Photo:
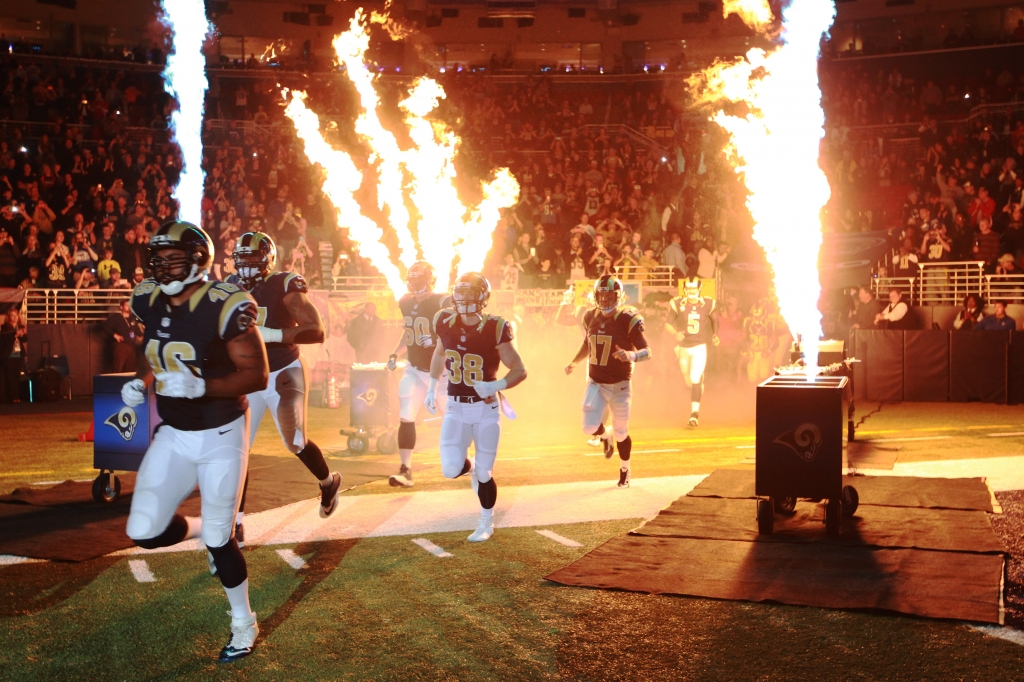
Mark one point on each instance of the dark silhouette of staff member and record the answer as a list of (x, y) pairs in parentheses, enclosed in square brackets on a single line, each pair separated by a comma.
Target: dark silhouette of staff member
[(365, 334), (12, 355), (126, 332)]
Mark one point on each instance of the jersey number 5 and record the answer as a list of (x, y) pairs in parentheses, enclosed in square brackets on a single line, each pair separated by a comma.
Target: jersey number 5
[(600, 349), (175, 355), (464, 369), (693, 323), (414, 329)]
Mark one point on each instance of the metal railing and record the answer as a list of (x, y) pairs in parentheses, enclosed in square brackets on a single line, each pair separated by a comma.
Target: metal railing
[(345, 283), (949, 283), (50, 306)]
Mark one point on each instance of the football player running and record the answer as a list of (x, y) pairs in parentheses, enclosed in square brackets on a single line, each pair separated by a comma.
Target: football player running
[(615, 340), (203, 352), (571, 315), (472, 345), (285, 318), (693, 322), (419, 308)]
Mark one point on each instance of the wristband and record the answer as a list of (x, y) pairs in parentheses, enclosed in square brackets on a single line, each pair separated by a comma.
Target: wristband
[(270, 335), (432, 386), (500, 385), (642, 354)]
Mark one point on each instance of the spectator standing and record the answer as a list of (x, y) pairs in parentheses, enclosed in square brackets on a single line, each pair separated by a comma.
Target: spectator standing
[(868, 309), (58, 263), (969, 315), (13, 335), (999, 321), (674, 257), (709, 258), (9, 255), (986, 244), (365, 333), (105, 266), (510, 272), (118, 282), (125, 331)]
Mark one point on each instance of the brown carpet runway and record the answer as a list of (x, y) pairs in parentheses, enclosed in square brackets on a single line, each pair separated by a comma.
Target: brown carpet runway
[(63, 523), (918, 546)]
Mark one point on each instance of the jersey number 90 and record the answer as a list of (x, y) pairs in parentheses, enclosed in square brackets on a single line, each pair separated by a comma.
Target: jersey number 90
[(465, 369)]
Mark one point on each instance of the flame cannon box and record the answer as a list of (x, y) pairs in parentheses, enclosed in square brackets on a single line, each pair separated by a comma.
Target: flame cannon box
[(800, 433), (121, 434), (373, 404)]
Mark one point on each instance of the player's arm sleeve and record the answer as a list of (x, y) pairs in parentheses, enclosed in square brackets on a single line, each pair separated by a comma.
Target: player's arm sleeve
[(504, 332), (237, 314), (293, 281), (637, 338), (713, 319)]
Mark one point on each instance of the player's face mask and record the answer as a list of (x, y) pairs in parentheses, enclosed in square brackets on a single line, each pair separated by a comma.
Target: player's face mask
[(418, 284), (692, 292), (173, 270), (607, 301), (251, 267), (468, 300)]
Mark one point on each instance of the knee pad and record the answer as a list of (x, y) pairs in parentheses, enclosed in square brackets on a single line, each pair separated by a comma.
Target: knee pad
[(488, 494), (231, 568), (175, 532), (217, 533), (313, 459), (406, 435), (449, 470), (625, 447), (696, 391)]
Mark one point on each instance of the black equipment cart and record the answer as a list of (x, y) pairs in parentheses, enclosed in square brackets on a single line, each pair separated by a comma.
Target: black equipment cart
[(373, 409)]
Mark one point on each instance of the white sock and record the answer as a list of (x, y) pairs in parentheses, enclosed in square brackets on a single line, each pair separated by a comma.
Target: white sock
[(487, 514), (624, 463), (406, 457), (195, 527), (694, 407), (324, 482), (238, 597), (238, 517)]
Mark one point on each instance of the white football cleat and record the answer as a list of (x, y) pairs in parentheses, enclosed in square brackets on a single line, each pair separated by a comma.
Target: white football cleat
[(594, 442), (243, 637), (484, 531), (403, 479), (693, 419), (211, 562)]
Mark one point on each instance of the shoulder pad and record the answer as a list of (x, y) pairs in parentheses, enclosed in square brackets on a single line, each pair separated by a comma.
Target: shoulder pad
[(444, 316), (143, 296), (629, 310), (444, 301)]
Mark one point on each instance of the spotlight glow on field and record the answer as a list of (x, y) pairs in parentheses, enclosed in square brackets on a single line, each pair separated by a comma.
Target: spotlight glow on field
[(185, 80), (774, 147), (416, 185)]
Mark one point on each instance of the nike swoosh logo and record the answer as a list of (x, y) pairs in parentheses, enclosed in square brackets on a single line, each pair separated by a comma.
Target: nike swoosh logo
[(221, 433), (286, 383)]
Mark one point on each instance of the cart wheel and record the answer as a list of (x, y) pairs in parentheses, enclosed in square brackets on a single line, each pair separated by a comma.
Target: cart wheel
[(851, 432), (102, 490), (358, 444), (784, 505), (833, 516), (850, 500), (387, 443), (765, 517)]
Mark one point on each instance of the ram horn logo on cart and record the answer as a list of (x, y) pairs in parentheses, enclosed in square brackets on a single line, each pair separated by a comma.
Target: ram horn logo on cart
[(369, 397), (804, 440), (124, 421)]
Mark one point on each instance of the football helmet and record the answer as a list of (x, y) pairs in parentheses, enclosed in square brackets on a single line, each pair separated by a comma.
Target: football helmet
[(421, 278), (192, 263), (608, 293), (759, 308), (471, 293), (691, 287), (255, 256)]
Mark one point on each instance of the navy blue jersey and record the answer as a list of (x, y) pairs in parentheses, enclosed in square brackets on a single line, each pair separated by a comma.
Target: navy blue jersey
[(273, 313), (471, 351), (624, 329), (193, 336), (418, 317), (693, 320)]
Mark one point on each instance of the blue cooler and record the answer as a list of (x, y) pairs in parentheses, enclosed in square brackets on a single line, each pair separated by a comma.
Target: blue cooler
[(121, 434)]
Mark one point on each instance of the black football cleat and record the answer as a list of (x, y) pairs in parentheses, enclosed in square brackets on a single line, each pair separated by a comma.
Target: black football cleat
[(329, 496), (623, 478), (609, 446), (243, 638)]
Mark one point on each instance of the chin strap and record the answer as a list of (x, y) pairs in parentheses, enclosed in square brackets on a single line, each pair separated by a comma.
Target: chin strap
[(175, 288)]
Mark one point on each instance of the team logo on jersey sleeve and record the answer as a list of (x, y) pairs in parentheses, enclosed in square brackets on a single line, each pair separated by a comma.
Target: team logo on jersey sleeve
[(804, 441), (369, 396), (124, 422)]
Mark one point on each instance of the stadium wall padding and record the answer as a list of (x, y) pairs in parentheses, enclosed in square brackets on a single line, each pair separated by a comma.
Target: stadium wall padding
[(926, 366), (978, 366), (883, 365), (84, 345)]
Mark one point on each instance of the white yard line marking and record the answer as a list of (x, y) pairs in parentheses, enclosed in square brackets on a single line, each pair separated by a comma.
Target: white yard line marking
[(140, 569), (745, 447), (292, 559), (516, 459), (432, 548), (1005, 435), (552, 535), (905, 440), (1000, 632), (11, 560)]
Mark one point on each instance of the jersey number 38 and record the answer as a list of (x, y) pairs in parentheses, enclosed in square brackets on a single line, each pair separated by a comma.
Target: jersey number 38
[(464, 369)]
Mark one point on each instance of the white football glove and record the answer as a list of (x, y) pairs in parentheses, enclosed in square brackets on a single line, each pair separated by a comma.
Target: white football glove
[(425, 340), (430, 402), (487, 389), (270, 335), (133, 393), (180, 385), (393, 362)]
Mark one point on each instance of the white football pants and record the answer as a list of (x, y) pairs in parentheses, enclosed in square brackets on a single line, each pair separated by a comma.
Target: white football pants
[(176, 460), (616, 397), (692, 362), (412, 390), (464, 423), (286, 397)]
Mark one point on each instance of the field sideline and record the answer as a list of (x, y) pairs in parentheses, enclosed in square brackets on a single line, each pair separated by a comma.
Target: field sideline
[(385, 607)]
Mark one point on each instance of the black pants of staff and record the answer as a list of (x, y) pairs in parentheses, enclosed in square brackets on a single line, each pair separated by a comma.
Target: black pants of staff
[(124, 357), (12, 367)]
